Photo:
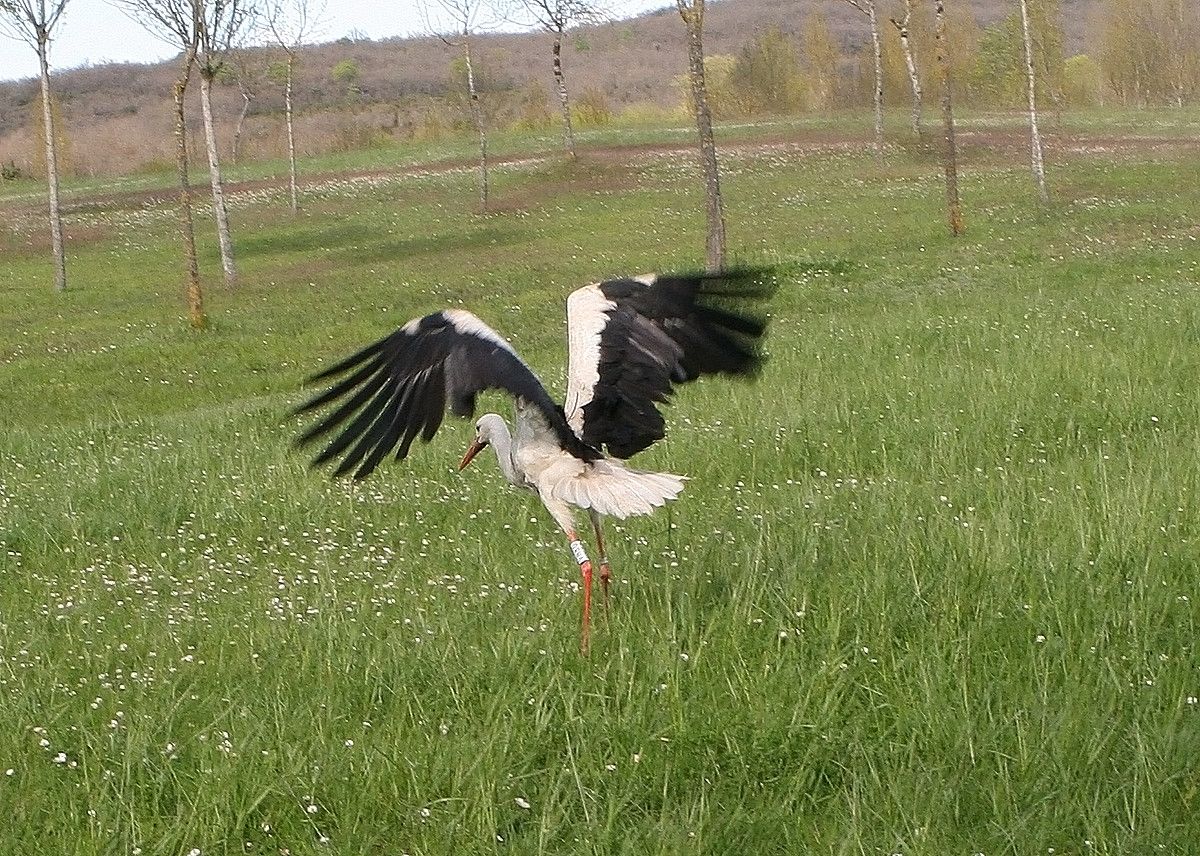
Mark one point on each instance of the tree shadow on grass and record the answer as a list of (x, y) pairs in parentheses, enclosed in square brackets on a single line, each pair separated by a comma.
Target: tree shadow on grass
[(357, 244)]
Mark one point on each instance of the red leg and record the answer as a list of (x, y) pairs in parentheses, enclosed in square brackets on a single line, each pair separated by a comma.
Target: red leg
[(605, 576), (585, 639), (605, 570), (585, 568)]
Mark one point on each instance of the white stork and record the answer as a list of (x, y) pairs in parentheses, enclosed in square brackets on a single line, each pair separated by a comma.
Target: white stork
[(630, 340)]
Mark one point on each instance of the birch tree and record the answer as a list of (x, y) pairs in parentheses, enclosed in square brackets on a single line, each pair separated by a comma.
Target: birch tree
[(465, 17), (1150, 50), (1182, 39), (33, 22), (178, 23), (910, 62), (290, 22), (247, 74), (949, 146), (1049, 53), (220, 24), (1036, 162), (692, 12), (867, 7), (556, 17)]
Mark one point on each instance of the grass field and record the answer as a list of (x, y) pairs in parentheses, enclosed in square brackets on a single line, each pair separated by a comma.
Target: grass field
[(932, 588)]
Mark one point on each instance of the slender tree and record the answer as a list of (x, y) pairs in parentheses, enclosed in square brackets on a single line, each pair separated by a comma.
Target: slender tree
[(692, 12), (867, 7), (33, 22), (221, 22), (556, 17), (290, 22), (247, 74), (1150, 50), (901, 25), (1049, 54), (178, 23), (1182, 38), (1036, 163), (949, 146), (465, 18), (478, 118)]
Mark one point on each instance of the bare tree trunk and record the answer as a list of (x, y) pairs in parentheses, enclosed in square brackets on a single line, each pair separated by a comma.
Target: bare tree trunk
[(56, 233), (911, 63), (867, 7), (1181, 50), (237, 129), (949, 148), (563, 100), (214, 176), (714, 209), (477, 117), (871, 16), (1035, 139), (195, 295), (291, 133)]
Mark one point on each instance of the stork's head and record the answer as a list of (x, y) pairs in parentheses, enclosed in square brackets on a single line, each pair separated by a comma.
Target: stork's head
[(487, 428)]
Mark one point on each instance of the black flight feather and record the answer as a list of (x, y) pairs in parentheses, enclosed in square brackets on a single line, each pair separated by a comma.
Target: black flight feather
[(678, 328), (397, 389)]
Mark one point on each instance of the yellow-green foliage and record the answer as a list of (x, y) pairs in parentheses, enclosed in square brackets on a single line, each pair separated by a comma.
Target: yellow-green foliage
[(591, 110), (766, 78), (347, 74), (999, 75), (277, 70), (648, 113), (821, 55), (533, 109), (722, 102), (1150, 50), (1083, 82)]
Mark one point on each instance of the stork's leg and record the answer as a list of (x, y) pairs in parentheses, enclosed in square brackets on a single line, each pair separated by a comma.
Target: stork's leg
[(585, 569), (561, 512), (605, 570)]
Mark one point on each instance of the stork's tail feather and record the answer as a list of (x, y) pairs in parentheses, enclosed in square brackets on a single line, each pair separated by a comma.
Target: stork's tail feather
[(613, 489)]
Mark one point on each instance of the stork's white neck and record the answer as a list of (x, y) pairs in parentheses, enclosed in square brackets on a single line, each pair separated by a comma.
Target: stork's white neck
[(501, 442)]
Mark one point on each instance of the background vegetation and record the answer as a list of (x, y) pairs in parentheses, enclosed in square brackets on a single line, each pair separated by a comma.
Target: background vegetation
[(766, 57)]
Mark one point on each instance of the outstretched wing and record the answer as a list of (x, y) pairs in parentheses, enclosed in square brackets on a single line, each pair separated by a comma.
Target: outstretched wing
[(631, 340), (398, 388)]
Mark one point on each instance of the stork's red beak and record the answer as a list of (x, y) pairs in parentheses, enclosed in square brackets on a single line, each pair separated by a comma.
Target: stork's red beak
[(476, 447)]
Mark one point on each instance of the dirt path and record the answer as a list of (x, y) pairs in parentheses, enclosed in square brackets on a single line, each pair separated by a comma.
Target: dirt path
[(814, 140)]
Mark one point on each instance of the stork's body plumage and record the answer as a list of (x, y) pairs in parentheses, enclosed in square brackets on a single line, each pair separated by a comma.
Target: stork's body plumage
[(629, 341), (532, 459)]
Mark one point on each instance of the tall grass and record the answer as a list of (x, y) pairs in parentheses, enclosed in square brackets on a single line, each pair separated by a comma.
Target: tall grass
[(931, 589)]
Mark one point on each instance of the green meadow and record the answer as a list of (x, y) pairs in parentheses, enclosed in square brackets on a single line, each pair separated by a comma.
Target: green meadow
[(932, 588)]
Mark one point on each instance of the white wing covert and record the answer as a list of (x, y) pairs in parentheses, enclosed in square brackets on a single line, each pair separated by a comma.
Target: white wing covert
[(399, 387), (632, 340)]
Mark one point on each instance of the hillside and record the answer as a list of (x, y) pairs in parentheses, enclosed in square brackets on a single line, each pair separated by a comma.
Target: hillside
[(117, 117)]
